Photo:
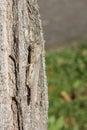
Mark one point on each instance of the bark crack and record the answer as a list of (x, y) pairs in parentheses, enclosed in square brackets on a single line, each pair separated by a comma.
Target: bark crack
[(15, 67), (16, 102), (28, 95), (27, 75), (18, 113)]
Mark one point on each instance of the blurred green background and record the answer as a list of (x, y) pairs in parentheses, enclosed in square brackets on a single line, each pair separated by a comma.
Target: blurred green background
[(67, 87), (65, 28)]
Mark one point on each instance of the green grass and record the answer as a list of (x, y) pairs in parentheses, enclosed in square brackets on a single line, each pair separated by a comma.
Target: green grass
[(67, 73)]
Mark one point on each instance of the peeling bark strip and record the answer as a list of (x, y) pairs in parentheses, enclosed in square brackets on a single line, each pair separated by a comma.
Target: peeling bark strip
[(23, 88)]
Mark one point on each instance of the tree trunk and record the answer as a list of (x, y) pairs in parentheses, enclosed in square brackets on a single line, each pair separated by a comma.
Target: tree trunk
[(23, 88)]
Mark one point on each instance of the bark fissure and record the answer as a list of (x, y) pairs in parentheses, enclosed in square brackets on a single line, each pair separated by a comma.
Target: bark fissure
[(16, 101), (29, 55), (28, 95), (15, 68), (19, 113), (29, 7), (27, 74), (21, 117)]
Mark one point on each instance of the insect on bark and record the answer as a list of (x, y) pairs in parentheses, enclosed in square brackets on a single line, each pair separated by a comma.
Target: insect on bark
[(32, 70)]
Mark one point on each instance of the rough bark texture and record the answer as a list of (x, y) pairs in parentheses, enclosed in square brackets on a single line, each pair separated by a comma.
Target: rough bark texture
[(22, 107)]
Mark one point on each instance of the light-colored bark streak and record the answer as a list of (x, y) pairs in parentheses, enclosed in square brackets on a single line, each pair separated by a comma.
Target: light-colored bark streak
[(5, 102), (22, 107)]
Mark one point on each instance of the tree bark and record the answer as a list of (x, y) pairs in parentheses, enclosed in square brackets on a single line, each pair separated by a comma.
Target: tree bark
[(23, 85)]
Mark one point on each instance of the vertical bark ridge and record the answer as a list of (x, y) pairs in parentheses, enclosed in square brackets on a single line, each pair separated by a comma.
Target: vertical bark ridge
[(5, 102), (14, 57)]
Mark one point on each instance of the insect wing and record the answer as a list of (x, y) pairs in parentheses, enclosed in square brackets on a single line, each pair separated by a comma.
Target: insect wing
[(34, 80)]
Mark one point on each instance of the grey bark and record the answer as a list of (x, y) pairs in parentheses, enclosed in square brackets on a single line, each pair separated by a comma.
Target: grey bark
[(20, 29)]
